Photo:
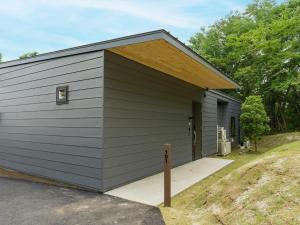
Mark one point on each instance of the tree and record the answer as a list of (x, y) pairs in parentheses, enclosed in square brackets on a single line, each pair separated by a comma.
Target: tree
[(28, 54), (260, 49), (254, 119)]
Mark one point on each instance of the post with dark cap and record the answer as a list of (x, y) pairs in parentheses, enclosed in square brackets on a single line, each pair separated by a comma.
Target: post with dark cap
[(167, 175)]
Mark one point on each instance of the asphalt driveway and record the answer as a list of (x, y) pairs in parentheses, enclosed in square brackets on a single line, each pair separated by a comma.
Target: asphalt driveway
[(28, 203)]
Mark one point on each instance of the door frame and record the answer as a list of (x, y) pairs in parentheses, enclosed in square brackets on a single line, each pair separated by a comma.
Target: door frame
[(196, 130)]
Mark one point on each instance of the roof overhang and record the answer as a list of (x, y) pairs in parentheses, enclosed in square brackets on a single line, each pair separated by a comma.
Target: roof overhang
[(158, 50), (167, 58)]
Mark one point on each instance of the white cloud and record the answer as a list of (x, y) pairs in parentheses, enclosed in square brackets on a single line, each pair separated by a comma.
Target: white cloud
[(233, 6), (163, 12), (46, 25), (22, 10), (41, 42), (168, 12), (172, 13)]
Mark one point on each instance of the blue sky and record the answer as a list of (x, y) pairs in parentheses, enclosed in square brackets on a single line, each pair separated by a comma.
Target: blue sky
[(48, 25)]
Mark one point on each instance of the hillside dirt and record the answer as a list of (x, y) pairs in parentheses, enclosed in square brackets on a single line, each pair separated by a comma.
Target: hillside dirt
[(262, 188)]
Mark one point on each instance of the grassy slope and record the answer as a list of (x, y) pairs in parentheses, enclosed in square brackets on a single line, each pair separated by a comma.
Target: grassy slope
[(258, 188)]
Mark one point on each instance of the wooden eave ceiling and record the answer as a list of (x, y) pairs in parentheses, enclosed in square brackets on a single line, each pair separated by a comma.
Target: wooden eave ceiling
[(163, 56)]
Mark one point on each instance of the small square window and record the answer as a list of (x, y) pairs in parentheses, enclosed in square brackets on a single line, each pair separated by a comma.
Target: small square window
[(62, 95)]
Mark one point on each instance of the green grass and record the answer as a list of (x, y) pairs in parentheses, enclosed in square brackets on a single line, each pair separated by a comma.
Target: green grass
[(258, 188)]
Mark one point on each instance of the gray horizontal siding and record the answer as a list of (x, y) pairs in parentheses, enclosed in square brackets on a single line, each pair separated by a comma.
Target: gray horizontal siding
[(54, 148), (112, 132), (209, 124), (12, 69), (74, 95), (51, 106), (147, 166), (209, 120), (235, 111), (131, 149), (45, 88), (143, 109), (53, 157), (51, 173), (54, 114), (70, 122), (62, 142), (58, 80), (41, 69), (53, 131), (141, 140)]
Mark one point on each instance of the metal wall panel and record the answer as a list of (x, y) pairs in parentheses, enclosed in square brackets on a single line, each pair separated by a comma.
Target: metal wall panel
[(210, 117), (143, 109), (62, 142)]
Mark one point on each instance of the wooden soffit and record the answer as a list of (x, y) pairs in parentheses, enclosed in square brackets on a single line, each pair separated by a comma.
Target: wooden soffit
[(163, 56)]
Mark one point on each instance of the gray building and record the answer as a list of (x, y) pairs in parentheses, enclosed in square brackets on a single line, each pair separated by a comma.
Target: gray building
[(98, 115)]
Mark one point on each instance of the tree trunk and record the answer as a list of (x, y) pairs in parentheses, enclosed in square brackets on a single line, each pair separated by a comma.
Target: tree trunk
[(255, 143)]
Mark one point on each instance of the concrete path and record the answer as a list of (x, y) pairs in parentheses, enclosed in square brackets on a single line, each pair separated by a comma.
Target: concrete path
[(150, 189), (28, 203)]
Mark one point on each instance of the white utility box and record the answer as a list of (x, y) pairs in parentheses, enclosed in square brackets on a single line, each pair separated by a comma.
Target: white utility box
[(224, 146)]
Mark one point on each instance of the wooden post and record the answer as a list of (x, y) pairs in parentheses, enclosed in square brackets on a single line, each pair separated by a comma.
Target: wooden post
[(167, 175)]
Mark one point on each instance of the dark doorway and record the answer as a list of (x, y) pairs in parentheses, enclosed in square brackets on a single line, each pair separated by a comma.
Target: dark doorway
[(197, 130), (222, 114)]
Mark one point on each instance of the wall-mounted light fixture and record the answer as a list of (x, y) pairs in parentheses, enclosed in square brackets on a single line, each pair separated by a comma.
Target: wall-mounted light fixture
[(62, 93)]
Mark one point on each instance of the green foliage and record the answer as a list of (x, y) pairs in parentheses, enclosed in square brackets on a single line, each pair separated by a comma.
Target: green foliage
[(260, 49), (28, 54), (254, 119)]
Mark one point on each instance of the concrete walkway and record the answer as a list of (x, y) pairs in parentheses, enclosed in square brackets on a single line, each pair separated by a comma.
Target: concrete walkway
[(150, 189)]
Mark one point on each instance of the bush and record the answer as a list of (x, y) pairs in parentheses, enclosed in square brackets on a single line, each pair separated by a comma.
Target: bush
[(254, 119)]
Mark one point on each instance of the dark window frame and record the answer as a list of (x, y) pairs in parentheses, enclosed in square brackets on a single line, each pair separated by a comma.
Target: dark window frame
[(64, 100)]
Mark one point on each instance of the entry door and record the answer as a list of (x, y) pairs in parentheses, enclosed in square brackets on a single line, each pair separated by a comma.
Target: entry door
[(197, 131)]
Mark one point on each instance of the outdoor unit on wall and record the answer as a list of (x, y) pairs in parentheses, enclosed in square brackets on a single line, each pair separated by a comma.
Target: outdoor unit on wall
[(224, 145)]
